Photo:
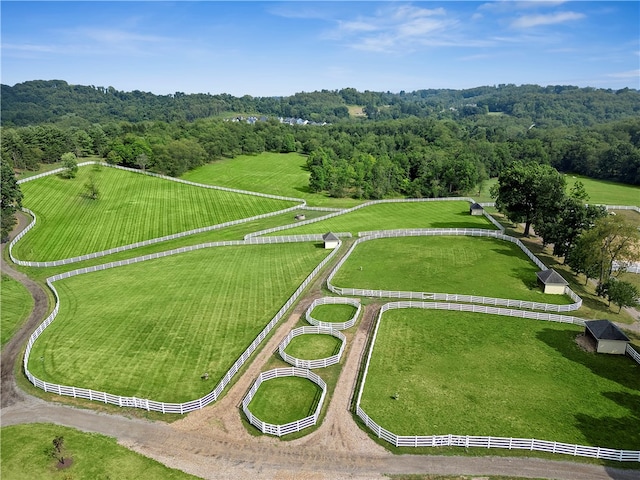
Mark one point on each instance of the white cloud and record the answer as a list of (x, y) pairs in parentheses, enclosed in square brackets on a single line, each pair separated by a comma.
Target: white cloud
[(629, 74), (529, 21)]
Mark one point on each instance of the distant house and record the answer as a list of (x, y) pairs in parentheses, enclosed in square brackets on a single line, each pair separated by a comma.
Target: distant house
[(552, 282), (300, 216), (607, 336), (476, 209), (330, 240)]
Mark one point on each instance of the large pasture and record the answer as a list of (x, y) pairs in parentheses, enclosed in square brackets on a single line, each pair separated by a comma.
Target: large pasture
[(389, 216), (152, 329), (131, 207), (284, 174), (476, 374), (445, 264)]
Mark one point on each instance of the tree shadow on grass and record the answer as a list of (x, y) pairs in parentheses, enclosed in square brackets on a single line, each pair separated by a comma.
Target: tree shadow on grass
[(616, 368), (614, 432), (608, 431)]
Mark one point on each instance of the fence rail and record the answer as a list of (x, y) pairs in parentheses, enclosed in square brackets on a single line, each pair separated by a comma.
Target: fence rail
[(366, 236), (316, 363), (368, 204), (334, 301), (89, 256), (147, 404), (481, 441), (292, 427)]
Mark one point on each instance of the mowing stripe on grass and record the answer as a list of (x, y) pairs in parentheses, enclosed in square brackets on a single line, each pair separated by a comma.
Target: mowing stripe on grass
[(392, 214), (16, 305), (131, 208), (152, 329)]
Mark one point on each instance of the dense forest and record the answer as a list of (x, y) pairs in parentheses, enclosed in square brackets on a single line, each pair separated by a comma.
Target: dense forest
[(52, 101), (428, 143)]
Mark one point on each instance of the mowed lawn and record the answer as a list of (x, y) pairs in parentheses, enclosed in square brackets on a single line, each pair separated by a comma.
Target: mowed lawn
[(286, 399), (131, 207), (282, 174), (334, 312), (26, 454), (152, 329), (313, 346), (449, 264), (390, 216), (476, 374), (15, 307)]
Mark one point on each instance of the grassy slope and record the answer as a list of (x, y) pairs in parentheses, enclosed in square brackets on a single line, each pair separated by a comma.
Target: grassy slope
[(15, 307), (25, 456), (151, 329), (473, 374), (131, 208), (275, 173), (388, 216), (464, 265)]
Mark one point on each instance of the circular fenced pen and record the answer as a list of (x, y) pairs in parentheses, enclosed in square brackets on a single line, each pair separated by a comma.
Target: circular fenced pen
[(283, 402), (309, 345), (338, 313)]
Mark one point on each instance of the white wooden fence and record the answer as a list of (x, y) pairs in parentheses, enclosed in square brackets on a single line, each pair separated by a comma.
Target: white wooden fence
[(292, 427), (333, 301), (147, 404), (315, 363), (482, 441), (366, 236), (302, 203), (368, 204)]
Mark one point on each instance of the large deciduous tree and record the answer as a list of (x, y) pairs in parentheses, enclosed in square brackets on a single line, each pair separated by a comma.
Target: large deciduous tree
[(526, 191), (612, 239), (561, 228), (11, 199)]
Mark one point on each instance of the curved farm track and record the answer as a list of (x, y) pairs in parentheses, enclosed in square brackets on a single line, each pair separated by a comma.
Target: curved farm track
[(213, 443)]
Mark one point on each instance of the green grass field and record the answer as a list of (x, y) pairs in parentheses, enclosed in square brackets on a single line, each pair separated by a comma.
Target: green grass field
[(464, 265), (389, 216), (131, 208), (313, 346), (25, 455), (274, 173), (476, 374), (336, 313), (152, 329), (282, 400), (600, 191), (15, 307)]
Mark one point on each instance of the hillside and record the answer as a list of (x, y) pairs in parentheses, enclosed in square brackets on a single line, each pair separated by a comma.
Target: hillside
[(56, 101)]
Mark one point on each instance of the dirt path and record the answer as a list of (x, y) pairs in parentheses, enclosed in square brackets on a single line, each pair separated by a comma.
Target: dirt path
[(213, 443)]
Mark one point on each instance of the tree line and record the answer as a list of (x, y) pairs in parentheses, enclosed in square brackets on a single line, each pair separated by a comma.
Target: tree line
[(415, 157), (52, 101)]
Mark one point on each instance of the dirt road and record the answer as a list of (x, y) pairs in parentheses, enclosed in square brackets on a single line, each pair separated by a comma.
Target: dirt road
[(213, 443)]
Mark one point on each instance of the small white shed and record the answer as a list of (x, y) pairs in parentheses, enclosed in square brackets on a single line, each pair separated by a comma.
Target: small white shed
[(330, 240), (552, 281), (608, 337), (476, 209)]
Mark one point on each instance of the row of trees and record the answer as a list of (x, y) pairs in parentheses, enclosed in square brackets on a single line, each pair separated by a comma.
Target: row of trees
[(591, 241), (40, 101)]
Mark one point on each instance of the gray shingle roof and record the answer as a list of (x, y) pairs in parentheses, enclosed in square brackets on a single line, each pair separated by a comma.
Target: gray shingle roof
[(329, 237), (605, 330), (551, 277), (476, 206)]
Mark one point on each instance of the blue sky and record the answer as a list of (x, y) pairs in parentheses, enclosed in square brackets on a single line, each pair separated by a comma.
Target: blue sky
[(268, 48)]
